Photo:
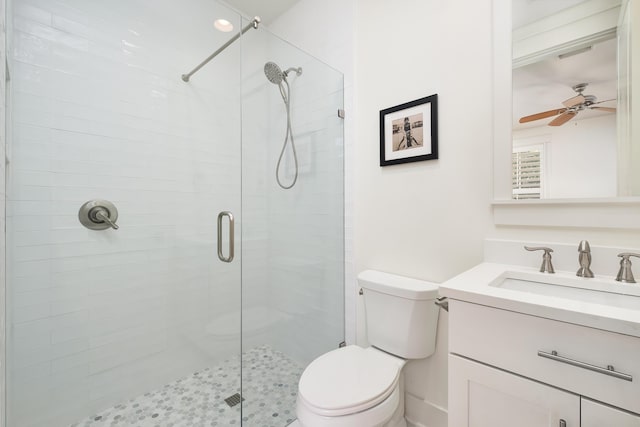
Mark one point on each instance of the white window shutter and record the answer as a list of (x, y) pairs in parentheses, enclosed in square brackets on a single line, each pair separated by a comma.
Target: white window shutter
[(526, 173)]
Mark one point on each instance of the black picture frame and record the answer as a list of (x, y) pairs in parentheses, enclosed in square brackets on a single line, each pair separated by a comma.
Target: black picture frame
[(404, 138)]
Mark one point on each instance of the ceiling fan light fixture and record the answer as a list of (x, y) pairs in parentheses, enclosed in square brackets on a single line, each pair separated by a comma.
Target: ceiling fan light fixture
[(572, 107)]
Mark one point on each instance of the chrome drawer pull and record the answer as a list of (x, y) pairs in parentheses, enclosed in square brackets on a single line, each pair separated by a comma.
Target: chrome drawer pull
[(607, 371)]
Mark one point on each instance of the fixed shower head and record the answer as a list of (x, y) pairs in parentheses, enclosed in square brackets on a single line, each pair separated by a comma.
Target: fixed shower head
[(273, 72)]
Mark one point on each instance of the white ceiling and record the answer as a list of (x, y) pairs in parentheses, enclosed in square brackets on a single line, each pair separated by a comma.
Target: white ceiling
[(528, 11), (267, 10)]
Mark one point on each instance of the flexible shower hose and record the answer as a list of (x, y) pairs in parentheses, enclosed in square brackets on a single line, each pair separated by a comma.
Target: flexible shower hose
[(287, 137)]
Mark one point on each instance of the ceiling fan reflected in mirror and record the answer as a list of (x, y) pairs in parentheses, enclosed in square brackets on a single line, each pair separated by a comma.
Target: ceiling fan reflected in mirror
[(572, 107)]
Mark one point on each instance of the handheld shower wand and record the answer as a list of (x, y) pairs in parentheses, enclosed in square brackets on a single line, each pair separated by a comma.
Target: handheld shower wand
[(276, 76)]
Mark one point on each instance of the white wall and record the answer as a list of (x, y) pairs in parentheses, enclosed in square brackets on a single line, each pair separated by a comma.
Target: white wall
[(429, 219), (97, 317), (426, 219), (407, 50), (404, 217), (580, 157)]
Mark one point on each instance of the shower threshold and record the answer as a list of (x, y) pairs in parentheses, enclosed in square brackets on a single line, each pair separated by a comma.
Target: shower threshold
[(270, 382)]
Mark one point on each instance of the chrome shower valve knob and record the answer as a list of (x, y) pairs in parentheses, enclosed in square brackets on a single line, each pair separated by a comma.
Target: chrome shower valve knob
[(98, 215)]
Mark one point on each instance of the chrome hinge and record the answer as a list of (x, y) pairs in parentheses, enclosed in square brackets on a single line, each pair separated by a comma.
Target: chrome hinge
[(360, 292), (443, 303), (341, 113), (342, 344)]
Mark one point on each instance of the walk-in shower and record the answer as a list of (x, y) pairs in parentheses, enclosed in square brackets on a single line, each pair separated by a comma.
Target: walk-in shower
[(144, 324)]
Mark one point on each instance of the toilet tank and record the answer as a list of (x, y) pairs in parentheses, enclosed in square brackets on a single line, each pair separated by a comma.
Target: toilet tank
[(401, 315)]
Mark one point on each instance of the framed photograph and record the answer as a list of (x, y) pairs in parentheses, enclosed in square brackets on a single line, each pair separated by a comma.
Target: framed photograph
[(409, 132)]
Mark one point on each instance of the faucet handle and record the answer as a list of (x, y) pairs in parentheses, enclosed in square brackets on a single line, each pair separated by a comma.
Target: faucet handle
[(546, 266), (538, 248), (584, 246), (625, 274), (628, 254)]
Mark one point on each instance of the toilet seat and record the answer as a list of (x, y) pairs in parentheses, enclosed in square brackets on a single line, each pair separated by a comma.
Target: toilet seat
[(349, 380)]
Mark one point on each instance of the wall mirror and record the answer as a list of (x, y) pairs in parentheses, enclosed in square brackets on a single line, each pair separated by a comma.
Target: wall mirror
[(563, 113)]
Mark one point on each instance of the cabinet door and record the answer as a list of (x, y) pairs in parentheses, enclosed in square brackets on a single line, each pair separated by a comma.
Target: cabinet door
[(596, 414), (482, 396)]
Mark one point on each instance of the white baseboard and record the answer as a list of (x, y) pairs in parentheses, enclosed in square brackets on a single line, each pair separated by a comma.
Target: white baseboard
[(420, 413)]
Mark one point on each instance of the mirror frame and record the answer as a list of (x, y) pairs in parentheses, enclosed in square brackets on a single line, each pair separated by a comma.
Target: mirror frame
[(615, 212)]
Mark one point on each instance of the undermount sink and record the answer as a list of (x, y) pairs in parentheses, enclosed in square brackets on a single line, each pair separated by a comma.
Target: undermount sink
[(599, 302), (594, 290)]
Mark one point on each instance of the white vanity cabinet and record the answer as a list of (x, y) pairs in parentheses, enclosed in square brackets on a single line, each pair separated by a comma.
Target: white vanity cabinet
[(483, 396), (596, 414), (507, 368)]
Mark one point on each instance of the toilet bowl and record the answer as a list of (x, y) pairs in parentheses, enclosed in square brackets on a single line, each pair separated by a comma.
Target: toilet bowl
[(351, 386), (364, 387)]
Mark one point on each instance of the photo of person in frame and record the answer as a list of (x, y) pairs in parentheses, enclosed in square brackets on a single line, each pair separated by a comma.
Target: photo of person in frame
[(407, 132)]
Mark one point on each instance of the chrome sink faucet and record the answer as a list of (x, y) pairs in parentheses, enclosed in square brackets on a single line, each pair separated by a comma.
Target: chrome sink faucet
[(584, 259), (625, 274)]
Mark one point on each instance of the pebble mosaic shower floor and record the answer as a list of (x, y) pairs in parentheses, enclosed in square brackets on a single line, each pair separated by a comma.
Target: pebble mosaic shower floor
[(270, 381)]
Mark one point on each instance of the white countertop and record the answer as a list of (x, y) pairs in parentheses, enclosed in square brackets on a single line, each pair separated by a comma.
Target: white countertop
[(474, 286)]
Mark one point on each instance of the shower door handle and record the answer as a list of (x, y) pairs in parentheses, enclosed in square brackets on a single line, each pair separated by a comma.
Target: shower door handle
[(221, 256)]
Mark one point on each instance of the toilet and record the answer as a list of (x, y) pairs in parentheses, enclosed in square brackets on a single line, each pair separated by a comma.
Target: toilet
[(364, 387)]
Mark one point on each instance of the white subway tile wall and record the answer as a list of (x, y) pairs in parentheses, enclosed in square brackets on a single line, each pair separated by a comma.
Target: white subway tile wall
[(98, 317), (100, 112)]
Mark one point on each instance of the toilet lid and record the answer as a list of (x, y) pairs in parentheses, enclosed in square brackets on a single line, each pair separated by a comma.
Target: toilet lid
[(349, 380)]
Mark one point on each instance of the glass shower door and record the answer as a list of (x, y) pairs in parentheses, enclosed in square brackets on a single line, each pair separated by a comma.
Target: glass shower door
[(139, 324), (293, 253)]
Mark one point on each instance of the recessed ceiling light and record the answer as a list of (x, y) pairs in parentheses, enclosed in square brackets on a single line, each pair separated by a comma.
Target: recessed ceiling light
[(223, 25)]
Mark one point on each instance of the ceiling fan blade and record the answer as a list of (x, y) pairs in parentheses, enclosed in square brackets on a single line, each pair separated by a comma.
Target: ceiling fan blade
[(608, 109), (542, 115), (606, 100), (563, 118), (576, 100)]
